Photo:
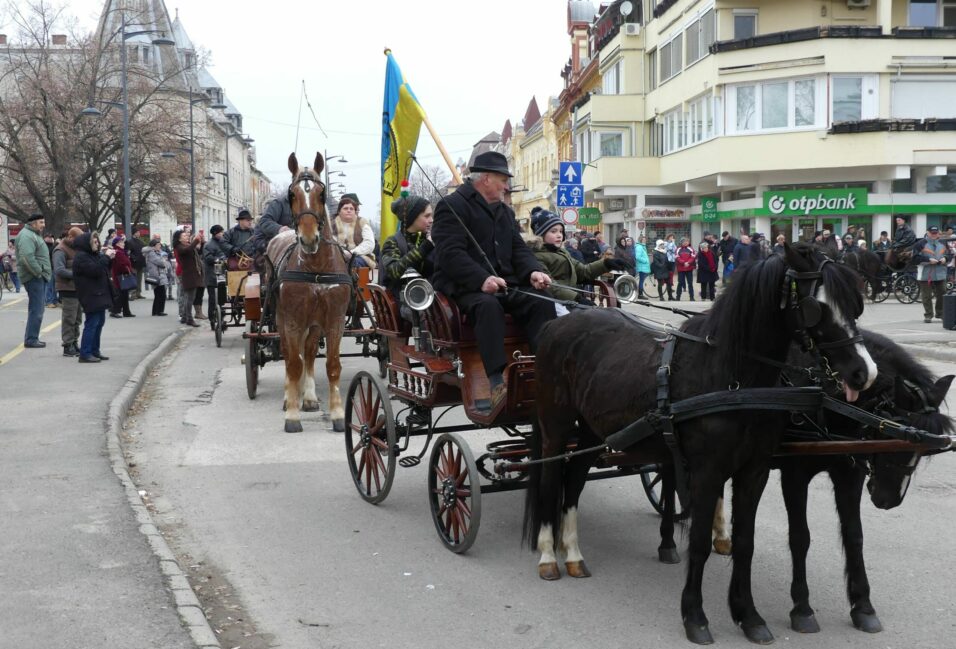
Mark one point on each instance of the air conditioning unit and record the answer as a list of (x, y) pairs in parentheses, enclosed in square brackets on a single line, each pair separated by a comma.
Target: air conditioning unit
[(857, 4), (634, 29)]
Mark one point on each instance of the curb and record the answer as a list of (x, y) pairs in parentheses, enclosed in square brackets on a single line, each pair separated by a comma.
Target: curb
[(929, 353), (187, 606)]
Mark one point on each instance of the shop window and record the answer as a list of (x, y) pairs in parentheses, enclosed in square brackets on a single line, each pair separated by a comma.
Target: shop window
[(745, 24)]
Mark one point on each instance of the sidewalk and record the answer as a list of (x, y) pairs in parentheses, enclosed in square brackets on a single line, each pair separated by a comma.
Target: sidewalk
[(76, 567)]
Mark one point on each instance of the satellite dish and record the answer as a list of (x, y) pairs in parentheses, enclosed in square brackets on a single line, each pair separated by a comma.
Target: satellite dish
[(626, 9)]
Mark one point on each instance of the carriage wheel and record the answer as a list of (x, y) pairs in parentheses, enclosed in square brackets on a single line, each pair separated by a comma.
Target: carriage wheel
[(881, 294), (218, 325), (252, 360), (454, 492), (652, 481), (906, 289), (370, 437)]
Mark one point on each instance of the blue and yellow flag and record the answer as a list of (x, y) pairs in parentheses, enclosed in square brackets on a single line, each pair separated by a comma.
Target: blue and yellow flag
[(401, 123)]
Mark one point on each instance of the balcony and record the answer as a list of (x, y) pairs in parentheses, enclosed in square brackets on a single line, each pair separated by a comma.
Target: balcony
[(613, 109), (621, 172)]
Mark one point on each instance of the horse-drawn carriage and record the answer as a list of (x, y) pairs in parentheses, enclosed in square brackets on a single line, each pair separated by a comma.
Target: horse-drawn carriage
[(652, 425), (231, 278)]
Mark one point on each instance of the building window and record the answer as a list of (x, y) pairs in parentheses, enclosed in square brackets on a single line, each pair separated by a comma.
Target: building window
[(612, 144), (611, 80), (652, 70), (932, 13), (684, 129), (146, 52), (699, 36), (776, 105), (671, 57), (942, 184), (745, 23), (922, 96), (746, 108), (847, 99)]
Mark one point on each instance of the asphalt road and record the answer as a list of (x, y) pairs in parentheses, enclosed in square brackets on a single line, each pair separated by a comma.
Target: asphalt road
[(283, 552)]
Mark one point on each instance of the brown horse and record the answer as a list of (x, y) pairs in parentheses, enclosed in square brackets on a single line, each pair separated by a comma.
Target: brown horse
[(313, 296)]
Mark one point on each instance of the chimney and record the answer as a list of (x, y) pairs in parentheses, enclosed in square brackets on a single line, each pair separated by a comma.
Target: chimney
[(59, 39)]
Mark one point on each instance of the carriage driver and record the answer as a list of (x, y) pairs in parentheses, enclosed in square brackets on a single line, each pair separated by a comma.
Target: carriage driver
[(238, 239), (462, 271)]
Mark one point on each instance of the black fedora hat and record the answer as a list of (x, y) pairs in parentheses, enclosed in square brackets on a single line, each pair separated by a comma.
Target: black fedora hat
[(491, 161), (243, 214)]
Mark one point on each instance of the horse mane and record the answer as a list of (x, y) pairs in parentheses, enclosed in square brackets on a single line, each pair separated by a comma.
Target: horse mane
[(742, 317), (842, 285)]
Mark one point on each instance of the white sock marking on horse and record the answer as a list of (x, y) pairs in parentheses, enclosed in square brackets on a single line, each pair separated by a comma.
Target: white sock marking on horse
[(308, 392), (546, 545), (860, 348), (569, 536)]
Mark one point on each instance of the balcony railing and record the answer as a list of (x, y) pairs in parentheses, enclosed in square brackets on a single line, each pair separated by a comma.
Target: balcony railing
[(875, 125), (797, 35)]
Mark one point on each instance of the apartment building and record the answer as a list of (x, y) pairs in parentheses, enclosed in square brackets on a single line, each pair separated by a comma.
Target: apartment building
[(777, 116)]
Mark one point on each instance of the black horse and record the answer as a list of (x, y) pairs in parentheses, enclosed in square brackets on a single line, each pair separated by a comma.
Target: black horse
[(869, 265), (800, 296), (904, 390)]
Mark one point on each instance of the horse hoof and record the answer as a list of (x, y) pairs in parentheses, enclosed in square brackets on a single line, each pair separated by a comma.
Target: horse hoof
[(804, 623), (698, 633), (758, 634), (577, 569), (668, 555), (293, 426), (722, 547), (866, 622), (310, 406), (338, 425), (549, 571)]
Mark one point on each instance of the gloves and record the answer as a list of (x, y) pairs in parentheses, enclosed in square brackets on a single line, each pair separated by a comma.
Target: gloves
[(615, 264)]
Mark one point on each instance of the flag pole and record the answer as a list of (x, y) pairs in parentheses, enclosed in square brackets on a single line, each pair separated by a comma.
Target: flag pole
[(441, 148)]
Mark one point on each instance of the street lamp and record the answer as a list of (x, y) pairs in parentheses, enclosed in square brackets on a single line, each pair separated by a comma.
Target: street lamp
[(244, 140), (92, 111)]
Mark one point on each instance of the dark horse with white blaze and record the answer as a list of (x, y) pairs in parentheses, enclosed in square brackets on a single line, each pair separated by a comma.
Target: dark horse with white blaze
[(800, 296), (313, 296), (904, 391)]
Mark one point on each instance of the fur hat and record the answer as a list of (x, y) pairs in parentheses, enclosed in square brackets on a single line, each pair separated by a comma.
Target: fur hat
[(660, 246), (543, 221)]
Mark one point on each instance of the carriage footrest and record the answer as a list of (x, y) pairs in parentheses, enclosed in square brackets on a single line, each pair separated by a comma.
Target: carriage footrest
[(409, 462)]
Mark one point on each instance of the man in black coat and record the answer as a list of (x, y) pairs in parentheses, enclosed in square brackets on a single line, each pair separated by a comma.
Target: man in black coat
[(477, 277), (276, 218), (134, 248), (238, 239), (213, 251)]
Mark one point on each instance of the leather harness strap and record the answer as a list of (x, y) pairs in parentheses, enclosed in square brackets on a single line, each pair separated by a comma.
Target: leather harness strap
[(314, 278)]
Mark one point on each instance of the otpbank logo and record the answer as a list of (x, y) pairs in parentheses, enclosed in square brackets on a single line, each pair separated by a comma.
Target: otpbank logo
[(821, 201)]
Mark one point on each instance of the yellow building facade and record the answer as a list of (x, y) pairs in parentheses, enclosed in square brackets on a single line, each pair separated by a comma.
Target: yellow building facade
[(782, 117), (533, 155)]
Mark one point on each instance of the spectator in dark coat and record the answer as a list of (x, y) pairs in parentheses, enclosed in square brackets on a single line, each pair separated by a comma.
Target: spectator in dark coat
[(707, 272), (725, 248), (91, 277), (137, 257), (573, 246), (213, 251), (661, 271), (625, 252), (187, 252), (589, 248), (121, 266), (743, 252)]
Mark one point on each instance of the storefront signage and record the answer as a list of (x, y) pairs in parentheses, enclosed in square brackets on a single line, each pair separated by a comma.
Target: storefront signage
[(708, 209), (589, 217), (649, 213), (805, 202)]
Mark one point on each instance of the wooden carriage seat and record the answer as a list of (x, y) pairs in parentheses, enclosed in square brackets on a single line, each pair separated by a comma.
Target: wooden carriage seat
[(450, 328), (388, 318)]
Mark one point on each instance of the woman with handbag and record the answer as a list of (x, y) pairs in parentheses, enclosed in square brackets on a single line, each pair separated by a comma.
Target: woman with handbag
[(124, 279), (158, 271)]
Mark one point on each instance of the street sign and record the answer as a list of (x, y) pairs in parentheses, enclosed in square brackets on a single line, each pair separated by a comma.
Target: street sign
[(570, 173), (570, 185), (570, 196), (569, 216)]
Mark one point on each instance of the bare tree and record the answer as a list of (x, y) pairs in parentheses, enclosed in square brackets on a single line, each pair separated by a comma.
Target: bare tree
[(425, 184), (64, 165)]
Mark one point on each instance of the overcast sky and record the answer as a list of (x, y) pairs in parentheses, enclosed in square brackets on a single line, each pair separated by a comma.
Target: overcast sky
[(472, 66)]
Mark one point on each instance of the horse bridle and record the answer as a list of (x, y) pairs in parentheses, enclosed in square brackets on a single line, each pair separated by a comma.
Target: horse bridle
[(806, 309), (307, 177)]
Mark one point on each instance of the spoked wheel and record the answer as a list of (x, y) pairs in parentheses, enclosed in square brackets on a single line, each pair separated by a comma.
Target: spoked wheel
[(906, 289), (370, 437), (881, 287), (454, 492), (252, 360), (218, 325), (653, 482)]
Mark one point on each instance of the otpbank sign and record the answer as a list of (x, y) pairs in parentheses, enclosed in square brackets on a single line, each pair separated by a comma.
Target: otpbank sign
[(810, 202)]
